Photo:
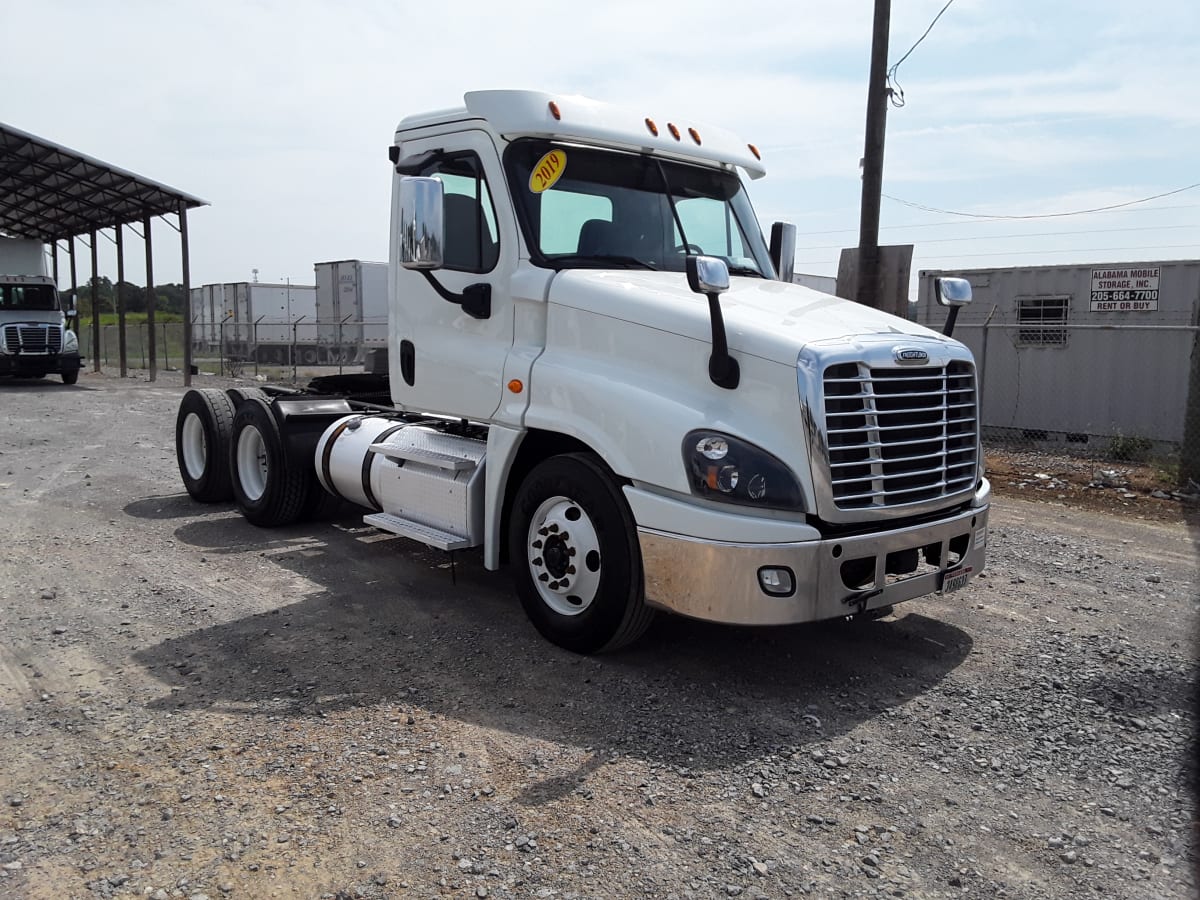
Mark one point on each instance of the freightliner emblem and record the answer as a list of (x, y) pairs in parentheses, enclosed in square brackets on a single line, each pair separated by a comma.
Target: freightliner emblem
[(910, 356)]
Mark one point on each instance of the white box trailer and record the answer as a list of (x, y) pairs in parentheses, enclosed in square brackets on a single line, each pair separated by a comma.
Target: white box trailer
[(352, 308), (265, 319), (1072, 354), (208, 311)]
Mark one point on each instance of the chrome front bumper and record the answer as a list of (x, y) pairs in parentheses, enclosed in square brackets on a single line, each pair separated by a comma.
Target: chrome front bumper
[(719, 582)]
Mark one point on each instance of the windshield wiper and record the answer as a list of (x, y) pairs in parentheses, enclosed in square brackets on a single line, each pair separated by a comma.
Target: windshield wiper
[(746, 270), (563, 260)]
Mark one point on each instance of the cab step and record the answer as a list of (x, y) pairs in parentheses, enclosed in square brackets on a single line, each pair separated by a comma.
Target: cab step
[(425, 534)]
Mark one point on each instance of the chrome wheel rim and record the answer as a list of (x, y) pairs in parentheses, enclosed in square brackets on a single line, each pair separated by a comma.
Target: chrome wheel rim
[(252, 463), (563, 552), (194, 446)]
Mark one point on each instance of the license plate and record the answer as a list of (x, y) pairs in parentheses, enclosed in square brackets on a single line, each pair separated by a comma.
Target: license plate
[(956, 579)]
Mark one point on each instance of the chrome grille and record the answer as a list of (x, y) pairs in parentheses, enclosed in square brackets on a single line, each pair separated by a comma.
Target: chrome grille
[(900, 435), (33, 339)]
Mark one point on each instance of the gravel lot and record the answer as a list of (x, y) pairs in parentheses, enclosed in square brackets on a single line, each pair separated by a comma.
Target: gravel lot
[(193, 707)]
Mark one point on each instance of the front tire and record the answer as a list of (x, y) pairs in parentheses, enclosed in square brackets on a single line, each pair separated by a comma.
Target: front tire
[(268, 491), (202, 430), (70, 376), (576, 559)]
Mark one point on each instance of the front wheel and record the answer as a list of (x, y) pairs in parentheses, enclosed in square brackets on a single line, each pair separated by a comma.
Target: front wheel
[(70, 376), (574, 550)]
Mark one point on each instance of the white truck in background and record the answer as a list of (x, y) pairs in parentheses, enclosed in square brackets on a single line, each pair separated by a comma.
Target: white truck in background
[(35, 334), (597, 376)]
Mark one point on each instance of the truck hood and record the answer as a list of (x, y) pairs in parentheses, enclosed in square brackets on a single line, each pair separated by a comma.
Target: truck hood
[(769, 319)]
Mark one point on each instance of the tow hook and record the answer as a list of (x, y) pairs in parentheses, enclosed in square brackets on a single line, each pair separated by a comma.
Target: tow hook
[(860, 598)]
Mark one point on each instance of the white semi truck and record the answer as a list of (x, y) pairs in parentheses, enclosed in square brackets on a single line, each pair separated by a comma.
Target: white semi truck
[(597, 377), (35, 334)]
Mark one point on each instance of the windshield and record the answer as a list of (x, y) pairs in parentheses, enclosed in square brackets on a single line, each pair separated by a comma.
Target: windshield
[(28, 296), (582, 207)]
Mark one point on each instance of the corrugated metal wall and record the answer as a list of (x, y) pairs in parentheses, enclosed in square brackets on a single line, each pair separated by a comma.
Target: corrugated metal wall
[(1100, 373)]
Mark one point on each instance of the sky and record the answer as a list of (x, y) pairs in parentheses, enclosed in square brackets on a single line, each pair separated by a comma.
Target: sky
[(280, 114)]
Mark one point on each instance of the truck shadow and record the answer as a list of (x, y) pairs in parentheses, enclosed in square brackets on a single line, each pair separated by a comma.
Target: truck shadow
[(386, 626)]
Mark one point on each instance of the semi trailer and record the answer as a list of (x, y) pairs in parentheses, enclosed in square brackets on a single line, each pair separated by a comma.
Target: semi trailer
[(352, 310), (600, 374), (250, 320)]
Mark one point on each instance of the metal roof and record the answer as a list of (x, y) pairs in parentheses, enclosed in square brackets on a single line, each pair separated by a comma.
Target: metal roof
[(48, 191)]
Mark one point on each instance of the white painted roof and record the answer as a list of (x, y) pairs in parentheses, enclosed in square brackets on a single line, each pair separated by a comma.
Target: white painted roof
[(514, 114)]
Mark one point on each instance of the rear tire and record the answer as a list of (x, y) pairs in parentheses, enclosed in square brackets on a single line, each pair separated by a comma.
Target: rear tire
[(268, 491), (575, 556), (202, 430)]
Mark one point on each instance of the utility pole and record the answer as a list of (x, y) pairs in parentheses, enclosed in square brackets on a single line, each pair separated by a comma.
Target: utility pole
[(872, 175)]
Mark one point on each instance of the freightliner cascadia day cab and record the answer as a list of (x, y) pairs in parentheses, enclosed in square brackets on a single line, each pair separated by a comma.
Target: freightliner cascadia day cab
[(35, 337), (600, 374)]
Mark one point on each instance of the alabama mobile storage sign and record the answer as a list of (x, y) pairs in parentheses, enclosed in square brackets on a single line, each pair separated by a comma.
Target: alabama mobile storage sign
[(1125, 290)]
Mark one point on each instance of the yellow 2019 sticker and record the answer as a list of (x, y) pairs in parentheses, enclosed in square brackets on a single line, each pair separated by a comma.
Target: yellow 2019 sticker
[(547, 171)]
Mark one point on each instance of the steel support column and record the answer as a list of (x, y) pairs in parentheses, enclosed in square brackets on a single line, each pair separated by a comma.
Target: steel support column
[(95, 305), (121, 349), (151, 301), (187, 296), (74, 324)]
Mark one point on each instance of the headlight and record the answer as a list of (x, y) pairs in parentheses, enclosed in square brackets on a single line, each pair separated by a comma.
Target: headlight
[(724, 468), (70, 341)]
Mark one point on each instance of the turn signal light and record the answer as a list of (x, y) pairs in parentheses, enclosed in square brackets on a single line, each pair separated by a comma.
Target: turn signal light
[(516, 386)]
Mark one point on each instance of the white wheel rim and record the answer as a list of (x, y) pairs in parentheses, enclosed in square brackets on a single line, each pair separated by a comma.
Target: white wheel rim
[(194, 445), (252, 466), (564, 556)]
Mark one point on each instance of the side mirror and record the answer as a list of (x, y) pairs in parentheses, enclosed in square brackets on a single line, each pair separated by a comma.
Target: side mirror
[(710, 276), (422, 222), (952, 291), (783, 250), (71, 312), (707, 274)]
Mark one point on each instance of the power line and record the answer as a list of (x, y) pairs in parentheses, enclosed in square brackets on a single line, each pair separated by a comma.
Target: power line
[(1067, 250), (1036, 234), (1014, 253), (1077, 212), (895, 92), (959, 224)]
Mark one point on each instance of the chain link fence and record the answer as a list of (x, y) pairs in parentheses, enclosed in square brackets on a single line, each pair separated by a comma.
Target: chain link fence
[(1127, 394), (277, 351)]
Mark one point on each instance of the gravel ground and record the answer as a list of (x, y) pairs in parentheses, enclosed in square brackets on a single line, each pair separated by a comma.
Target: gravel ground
[(193, 707)]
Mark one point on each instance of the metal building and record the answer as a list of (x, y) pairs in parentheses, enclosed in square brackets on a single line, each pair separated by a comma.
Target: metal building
[(54, 194), (1077, 353)]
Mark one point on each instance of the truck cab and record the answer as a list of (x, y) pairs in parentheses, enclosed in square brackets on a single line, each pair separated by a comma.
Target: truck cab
[(601, 375), (35, 337)]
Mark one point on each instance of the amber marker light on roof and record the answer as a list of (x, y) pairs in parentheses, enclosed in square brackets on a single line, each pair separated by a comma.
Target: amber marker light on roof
[(652, 127), (554, 110), (674, 131), (695, 135), (754, 150)]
